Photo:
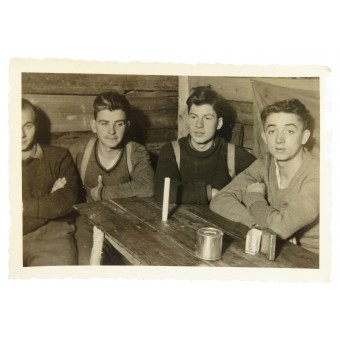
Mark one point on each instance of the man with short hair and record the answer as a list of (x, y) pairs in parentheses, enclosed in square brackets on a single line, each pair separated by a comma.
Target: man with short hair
[(109, 165), (280, 190), (199, 163), (49, 189)]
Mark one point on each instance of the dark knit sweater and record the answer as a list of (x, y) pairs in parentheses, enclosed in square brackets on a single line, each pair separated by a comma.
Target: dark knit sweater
[(117, 181), (38, 177), (197, 170)]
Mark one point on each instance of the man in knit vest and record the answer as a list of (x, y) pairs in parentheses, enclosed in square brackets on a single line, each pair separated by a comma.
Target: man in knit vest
[(49, 189), (200, 168), (109, 166), (280, 190)]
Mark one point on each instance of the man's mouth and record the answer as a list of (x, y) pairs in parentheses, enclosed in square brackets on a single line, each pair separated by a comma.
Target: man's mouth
[(199, 134)]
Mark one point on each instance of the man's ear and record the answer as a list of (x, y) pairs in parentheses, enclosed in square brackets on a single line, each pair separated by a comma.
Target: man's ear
[(263, 135), (305, 137), (93, 125), (219, 123)]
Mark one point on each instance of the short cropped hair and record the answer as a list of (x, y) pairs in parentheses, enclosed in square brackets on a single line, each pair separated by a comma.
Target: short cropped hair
[(205, 95), (288, 106), (111, 101)]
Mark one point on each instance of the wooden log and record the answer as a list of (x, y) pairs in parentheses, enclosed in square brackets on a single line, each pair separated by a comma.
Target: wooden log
[(93, 84), (231, 88), (246, 132), (152, 137), (73, 113), (244, 112)]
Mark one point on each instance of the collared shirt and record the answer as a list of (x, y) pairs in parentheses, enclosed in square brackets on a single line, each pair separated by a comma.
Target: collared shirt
[(36, 152)]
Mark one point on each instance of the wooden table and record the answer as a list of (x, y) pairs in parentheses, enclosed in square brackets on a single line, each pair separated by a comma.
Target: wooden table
[(135, 228)]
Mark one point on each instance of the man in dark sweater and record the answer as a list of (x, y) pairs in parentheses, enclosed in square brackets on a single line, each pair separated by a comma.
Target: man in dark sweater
[(200, 168), (49, 189)]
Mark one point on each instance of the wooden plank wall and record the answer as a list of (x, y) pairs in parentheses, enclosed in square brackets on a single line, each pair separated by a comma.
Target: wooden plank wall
[(238, 92), (67, 102)]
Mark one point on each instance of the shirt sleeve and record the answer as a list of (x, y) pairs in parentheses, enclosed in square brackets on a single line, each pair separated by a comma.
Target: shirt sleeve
[(229, 201), (60, 202), (301, 209), (142, 176), (180, 192)]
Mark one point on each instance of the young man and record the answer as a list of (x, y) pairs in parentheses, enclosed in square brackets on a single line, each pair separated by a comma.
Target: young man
[(200, 167), (49, 189), (108, 165), (279, 191)]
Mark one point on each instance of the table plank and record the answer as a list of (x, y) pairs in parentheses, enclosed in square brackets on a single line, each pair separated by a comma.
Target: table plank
[(135, 228), (183, 224), (139, 243), (288, 255)]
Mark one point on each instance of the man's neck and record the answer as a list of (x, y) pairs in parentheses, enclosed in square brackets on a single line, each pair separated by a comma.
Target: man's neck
[(288, 169), (107, 153), (201, 147)]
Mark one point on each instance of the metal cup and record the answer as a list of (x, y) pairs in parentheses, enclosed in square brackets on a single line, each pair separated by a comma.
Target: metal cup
[(209, 243)]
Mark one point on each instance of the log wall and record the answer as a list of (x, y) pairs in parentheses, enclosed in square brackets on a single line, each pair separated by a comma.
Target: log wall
[(239, 94), (66, 100)]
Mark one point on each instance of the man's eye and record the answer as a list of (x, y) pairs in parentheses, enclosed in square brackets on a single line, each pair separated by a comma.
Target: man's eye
[(120, 124), (29, 126), (291, 132), (270, 132), (102, 123), (208, 118), (192, 116)]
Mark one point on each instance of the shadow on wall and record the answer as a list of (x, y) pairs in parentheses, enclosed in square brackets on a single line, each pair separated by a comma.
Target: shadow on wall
[(139, 124), (44, 126), (229, 118)]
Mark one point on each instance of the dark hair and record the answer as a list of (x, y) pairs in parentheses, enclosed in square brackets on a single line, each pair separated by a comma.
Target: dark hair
[(288, 106), (111, 101), (205, 95)]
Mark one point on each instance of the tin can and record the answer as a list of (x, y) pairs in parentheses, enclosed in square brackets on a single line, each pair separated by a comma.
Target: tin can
[(209, 243)]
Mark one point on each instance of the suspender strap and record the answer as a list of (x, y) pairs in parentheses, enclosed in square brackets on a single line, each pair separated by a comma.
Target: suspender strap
[(230, 156), (176, 148), (128, 157), (86, 157), (231, 159)]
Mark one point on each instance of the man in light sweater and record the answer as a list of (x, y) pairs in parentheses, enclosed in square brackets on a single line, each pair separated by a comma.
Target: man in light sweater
[(49, 189), (280, 190), (109, 166)]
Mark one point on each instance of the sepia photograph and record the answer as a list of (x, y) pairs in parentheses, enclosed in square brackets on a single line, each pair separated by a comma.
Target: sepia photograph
[(126, 170), (170, 170)]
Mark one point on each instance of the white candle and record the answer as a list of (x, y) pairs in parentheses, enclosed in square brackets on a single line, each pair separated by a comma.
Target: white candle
[(166, 198)]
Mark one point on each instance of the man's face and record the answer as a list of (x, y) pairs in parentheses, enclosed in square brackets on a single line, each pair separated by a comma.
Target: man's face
[(284, 135), (28, 129), (110, 127), (203, 123)]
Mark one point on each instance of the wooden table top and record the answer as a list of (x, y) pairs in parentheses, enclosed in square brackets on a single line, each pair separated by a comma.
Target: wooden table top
[(135, 228)]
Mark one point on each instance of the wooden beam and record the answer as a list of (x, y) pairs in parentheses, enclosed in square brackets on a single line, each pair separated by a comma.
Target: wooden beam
[(93, 84), (183, 94)]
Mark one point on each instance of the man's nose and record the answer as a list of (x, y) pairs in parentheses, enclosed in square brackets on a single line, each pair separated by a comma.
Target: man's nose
[(280, 138), (112, 129), (23, 134), (199, 122)]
